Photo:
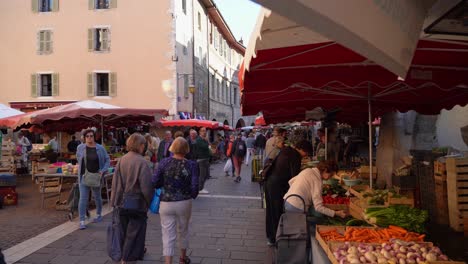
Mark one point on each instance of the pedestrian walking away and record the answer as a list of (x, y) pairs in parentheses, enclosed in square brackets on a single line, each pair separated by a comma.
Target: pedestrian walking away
[(250, 143), (239, 151), (132, 192), (93, 162), (178, 178)]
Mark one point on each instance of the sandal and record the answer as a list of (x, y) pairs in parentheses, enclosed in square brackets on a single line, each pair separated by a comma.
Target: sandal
[(185, 260)]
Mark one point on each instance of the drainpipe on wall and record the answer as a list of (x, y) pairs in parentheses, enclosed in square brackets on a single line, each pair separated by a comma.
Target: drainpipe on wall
[(193, 57), (208, 62)]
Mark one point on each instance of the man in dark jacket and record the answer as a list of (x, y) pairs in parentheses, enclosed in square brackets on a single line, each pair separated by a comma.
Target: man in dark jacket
[(163, 149), (239, 150), (260, 142), (286, 165), (200, 152)]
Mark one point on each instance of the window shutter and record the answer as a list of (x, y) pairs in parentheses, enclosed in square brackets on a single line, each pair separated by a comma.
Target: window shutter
[(113, 3), (48, 42), (91, 4), (105, 39), (186, 86), (113, 84), (55, 84), (55, 5), (90, 85), (40, 42), (35, 6), (33, 85), (90, 39)]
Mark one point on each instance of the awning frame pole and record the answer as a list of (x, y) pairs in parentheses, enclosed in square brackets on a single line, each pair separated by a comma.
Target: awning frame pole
[(370, 135), (102, 130)]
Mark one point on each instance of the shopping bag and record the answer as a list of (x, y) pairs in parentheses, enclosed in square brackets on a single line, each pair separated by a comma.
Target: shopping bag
[(115, 237), (228, 165), (154, 206)]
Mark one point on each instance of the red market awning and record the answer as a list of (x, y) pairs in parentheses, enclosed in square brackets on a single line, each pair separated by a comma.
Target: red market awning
[(290, 69), (283, 83), (191, 123), (79, 115)]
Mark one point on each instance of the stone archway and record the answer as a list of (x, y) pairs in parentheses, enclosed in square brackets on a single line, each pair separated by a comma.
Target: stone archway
[(240, 123)]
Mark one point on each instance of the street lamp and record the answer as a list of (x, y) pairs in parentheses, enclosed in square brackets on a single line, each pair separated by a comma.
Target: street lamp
[(191, 87)]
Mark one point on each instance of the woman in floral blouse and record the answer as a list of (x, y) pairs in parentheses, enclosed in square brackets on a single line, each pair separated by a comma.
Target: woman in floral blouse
[(178, 178)]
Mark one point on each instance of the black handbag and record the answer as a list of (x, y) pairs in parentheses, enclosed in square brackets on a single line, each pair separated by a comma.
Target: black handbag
[(132, 201)]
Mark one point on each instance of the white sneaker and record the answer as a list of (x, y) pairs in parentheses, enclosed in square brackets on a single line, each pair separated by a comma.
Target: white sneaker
[(204, 191)]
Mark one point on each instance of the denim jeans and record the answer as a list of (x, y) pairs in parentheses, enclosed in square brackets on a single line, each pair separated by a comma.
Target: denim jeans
[(83, 203)]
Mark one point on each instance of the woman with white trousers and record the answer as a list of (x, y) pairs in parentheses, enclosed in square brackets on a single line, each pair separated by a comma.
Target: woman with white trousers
[(178, 179)]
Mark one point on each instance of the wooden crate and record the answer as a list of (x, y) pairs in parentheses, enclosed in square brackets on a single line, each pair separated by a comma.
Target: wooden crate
[(407, 199), (355, 209), (323, 243), (465, 224), (440, 170), (359, 190), (457, 191), (364, 172), (442, 214)]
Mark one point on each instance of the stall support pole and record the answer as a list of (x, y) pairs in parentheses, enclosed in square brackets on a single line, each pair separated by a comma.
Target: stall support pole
[(370, 139), (102, 130), (326, 143)]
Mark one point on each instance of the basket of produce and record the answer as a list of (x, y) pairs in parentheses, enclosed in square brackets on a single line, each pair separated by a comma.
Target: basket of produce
[(395, 251), (412, 219), (351, 182)]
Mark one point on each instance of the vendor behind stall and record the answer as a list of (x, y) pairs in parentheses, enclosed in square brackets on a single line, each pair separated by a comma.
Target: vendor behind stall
[(308, 185)]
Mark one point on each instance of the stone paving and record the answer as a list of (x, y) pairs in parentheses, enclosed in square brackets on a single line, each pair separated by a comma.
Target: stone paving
[(224, 229), (28, 219)]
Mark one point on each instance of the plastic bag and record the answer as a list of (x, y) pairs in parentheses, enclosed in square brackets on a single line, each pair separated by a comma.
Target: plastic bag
[(228, 165), (154, 206)]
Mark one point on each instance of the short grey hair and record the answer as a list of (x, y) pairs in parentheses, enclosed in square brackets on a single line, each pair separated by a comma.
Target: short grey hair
[(134, 142)]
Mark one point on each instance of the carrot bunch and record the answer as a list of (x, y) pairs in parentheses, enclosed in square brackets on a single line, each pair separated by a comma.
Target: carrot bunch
[(368, 235)]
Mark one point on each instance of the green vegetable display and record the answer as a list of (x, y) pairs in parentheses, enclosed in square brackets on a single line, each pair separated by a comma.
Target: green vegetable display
[(347, 221), (377, 197), (411, 219)]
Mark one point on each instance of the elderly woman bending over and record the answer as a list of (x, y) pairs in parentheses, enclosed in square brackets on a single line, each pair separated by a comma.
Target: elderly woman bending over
[(178, 178)]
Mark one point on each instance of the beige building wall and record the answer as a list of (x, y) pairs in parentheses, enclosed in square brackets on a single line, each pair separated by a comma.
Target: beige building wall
[(140, 50)]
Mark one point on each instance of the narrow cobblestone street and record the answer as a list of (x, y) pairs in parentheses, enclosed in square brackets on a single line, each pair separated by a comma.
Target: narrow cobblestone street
[(227, 227)]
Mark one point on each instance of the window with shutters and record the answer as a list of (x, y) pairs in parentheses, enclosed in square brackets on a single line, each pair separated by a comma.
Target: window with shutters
[(102, 84), (44, 42), (235, 95), (44, 84), (184, 6), (102, 4), (186, 85), (218, 90), (99, 39), (44, 6), (216, 35), (200, 91), (199, 21), (213, 79)]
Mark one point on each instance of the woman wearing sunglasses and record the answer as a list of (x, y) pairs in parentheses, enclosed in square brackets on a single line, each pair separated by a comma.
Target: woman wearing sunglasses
[(93, 161)]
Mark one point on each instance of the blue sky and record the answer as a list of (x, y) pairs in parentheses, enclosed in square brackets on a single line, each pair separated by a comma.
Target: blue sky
[(240, 15)]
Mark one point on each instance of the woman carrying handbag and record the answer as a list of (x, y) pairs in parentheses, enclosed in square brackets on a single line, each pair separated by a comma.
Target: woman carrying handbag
[(132, 193)]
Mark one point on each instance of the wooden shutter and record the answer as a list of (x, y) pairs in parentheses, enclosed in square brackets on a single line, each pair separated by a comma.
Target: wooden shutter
[(47, 42), (90, 85), (186, 86), (105, 35), (35, 6), (91, 39), (55, 84), (40, 42), (55, 5), (91, 4), (113, 3), (113, 84), (34, 85)]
